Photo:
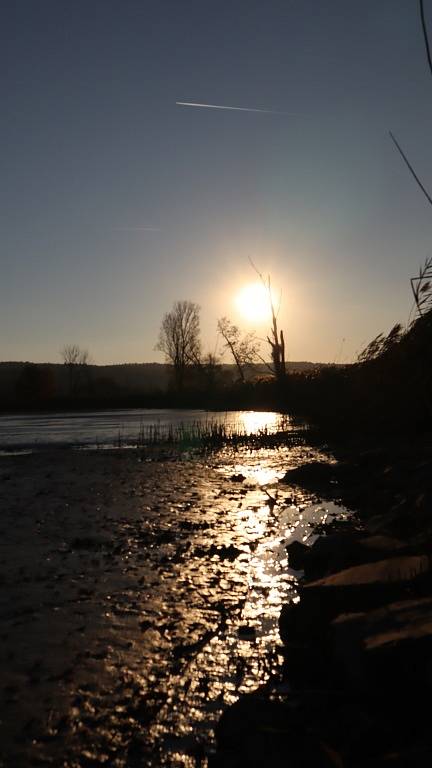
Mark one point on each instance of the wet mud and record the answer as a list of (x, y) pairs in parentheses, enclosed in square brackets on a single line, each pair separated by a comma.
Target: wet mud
[(139, 599)]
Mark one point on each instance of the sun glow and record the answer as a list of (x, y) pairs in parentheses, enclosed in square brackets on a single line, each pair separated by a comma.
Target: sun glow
[(253, 303)]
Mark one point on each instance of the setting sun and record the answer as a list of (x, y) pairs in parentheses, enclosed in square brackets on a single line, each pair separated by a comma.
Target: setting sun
[(253, 303)]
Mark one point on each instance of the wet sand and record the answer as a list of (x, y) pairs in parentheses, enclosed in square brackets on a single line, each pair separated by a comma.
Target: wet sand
[(138, 599)]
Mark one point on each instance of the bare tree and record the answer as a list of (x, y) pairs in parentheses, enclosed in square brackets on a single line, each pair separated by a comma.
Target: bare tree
[(276, 338), (210, 367), (244, 349), (72, 354), (179, 338), (76, 360)]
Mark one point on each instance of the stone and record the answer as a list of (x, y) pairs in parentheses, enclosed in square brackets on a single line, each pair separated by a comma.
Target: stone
[(360, 588), (338, 551), (257, 732), (298, 555), (387, 648)]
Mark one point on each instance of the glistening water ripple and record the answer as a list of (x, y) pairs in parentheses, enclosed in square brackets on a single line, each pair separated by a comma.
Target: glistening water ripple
[(157, 589), (237, 579)]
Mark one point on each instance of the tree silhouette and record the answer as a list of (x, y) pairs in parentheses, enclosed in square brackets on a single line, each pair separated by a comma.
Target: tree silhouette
[(276, 338), (179, 338), (244, 349), (72, 354), (76, 360)]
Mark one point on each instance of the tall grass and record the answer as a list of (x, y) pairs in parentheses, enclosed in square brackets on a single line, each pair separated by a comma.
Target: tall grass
[(213, 434)]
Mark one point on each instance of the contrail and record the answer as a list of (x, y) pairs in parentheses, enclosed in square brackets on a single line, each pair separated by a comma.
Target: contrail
[(138, 229), (224, 106)]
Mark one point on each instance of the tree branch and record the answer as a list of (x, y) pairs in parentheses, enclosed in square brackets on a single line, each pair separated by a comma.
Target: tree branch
[(425, 35), (401, 152)]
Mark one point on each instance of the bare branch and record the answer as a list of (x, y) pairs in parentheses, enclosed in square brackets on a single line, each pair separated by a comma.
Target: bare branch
[(72, 354), (244, 349), (267, 365), (276, 342), (425, 35), (401, 152), (76, 361)]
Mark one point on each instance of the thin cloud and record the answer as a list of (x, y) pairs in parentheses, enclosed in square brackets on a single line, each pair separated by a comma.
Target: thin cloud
[(138, 229), (200, 105)]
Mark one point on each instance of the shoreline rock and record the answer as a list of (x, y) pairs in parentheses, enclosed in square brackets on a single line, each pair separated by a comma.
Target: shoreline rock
[(357, 646)]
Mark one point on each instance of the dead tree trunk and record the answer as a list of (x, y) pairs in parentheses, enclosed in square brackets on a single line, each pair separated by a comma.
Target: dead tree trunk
[(276, 338)]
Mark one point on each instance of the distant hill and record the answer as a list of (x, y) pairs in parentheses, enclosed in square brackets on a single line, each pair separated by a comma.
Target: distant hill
[(26, 383), (131, 378)]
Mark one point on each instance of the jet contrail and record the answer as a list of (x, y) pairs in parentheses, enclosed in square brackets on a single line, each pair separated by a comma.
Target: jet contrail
[(138, 229), (224, 106)]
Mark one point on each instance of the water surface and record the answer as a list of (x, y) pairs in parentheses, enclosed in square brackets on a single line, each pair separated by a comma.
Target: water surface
[(142, 598), (125, 428)]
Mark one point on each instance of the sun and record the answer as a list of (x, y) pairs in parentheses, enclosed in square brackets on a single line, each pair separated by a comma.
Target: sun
[(253, 303)]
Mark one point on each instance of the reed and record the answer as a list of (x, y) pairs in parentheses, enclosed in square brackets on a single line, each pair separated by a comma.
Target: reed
[(213, 434)]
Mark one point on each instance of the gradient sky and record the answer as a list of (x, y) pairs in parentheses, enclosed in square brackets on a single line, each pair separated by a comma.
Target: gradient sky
[(115, 201)]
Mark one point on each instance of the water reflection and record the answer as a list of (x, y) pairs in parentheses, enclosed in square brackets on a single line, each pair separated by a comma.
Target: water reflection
[(126, 428), (247, 593), (182, 592), (251, 422)]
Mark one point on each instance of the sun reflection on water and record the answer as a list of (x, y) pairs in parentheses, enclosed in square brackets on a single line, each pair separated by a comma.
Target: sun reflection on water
[(193, 623), (252, 422), (255, 585)]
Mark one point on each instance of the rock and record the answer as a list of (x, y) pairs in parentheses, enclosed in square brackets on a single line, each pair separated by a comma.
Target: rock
[(403, 519), (259, 733), (298, 554), (338, 551), (330, 553), (295, 624), (305, 665), (360, 588), (315, 476), (387, 648), (394, 569), (368, 585), (245, 632)]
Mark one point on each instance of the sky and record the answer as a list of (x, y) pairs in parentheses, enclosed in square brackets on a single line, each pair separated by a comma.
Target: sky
[(116, 201)]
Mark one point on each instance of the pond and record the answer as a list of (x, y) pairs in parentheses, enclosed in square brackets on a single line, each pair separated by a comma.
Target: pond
[(127, 428)]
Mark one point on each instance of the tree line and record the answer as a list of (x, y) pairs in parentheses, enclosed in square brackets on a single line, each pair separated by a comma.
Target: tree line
[(180, 341)]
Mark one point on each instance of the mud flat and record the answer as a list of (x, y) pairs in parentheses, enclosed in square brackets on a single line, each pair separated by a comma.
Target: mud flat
[(358, 642), (140, 597)]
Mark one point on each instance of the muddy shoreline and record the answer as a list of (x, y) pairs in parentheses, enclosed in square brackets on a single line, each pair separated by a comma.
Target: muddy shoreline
[(140, 598), (357, 645), (148, 601)]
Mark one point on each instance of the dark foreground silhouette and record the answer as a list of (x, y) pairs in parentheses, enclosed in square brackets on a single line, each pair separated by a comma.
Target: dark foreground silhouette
[(357, 646)]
